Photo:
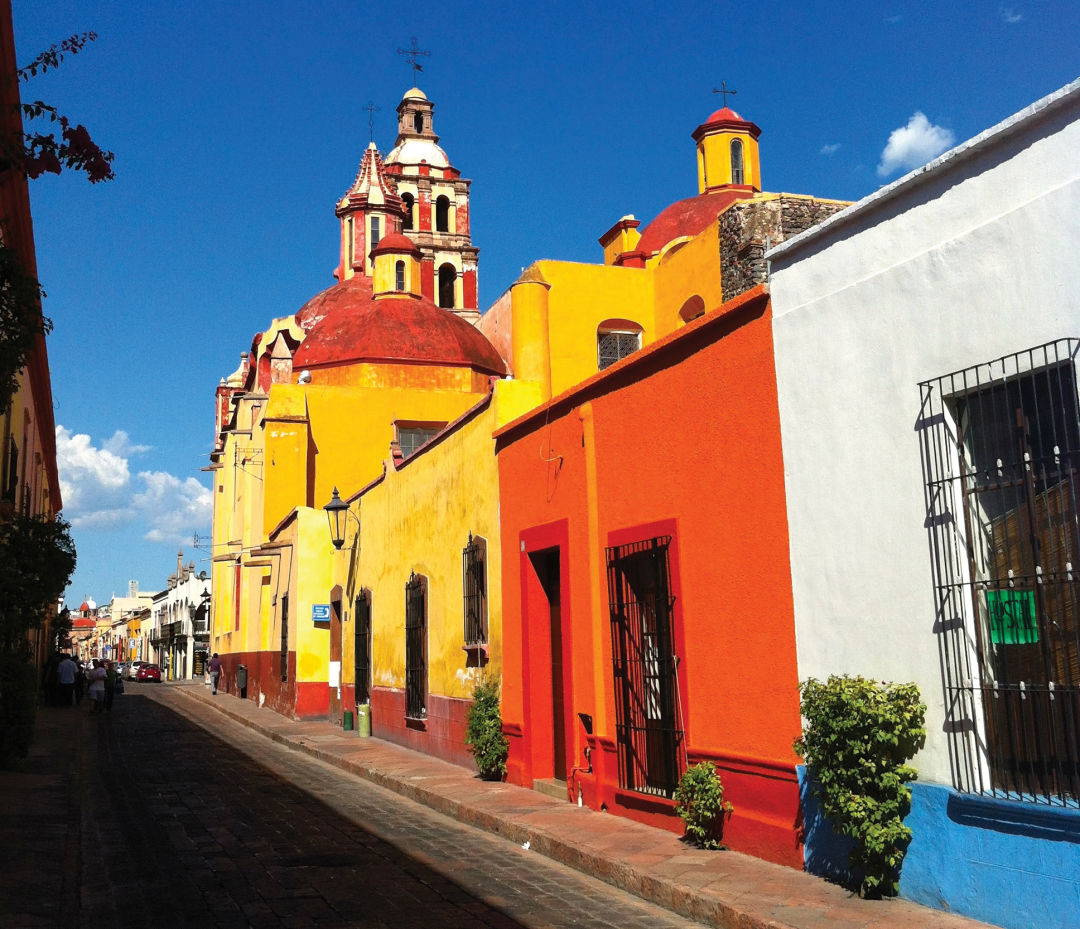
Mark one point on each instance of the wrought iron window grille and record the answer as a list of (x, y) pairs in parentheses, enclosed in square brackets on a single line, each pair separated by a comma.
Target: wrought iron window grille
[(416, 647), (1000, 444), (362, 646), (648, 730), (614, 346), (474, 585), (283, 662)]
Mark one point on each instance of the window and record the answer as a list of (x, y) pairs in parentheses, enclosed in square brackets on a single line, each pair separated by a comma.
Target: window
[(1001, 446), (613, 344), (408, 201), (362, 647), (416, 647), (648, 733), (11, 478), (410, 438), (284, 660), (376, 233), (418, 122), (474, 584), (399, 275), (442, 214), (736, 161), (349, 236), (447, 286)]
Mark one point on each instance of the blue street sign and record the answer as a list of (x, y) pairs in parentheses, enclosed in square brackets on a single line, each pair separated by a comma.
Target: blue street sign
[(320, 612)]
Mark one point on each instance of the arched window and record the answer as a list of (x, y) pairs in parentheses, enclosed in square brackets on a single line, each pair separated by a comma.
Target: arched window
[(418, 122), (442, 214), (399, 276), (692, 309), (447, 281), (736, 161), (615, 339), (407, 200)]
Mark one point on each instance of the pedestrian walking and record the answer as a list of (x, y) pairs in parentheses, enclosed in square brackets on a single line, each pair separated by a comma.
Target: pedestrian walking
[(65, 680), (96, 691), (215, 671), (110, 684)]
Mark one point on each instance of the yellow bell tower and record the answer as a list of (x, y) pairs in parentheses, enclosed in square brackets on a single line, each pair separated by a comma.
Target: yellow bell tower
[(727, 153)]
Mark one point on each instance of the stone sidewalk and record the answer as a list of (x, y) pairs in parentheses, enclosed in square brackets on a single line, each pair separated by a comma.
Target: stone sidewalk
[(724, 889)]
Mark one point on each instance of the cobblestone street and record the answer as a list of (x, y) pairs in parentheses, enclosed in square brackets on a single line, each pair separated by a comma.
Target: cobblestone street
[(187, 819)]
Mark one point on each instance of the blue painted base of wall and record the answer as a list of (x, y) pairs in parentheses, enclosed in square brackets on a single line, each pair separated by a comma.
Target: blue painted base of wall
[(1002, 861)]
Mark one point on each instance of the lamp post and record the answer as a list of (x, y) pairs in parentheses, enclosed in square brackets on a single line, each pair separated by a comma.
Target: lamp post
[(335, 516)]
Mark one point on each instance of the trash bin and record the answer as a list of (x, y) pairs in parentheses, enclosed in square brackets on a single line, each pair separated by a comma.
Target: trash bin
[(346, 721), (363, 720), (241, 681)]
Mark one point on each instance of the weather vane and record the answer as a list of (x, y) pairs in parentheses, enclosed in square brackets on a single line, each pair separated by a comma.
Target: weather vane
[(372, 110), (723, 90), (411, 54)]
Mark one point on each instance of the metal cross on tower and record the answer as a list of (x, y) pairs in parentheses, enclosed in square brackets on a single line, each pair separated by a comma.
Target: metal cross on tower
[(411, 54), (723, 90), (372, 110)]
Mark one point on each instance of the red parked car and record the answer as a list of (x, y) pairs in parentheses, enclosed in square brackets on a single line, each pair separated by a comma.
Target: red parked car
[(148, 672)]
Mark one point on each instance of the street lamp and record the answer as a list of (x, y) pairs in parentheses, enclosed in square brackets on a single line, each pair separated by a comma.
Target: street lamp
[(335, 515)]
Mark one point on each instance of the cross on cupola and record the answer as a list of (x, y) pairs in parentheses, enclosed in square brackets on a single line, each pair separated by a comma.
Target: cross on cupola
[(723, 90), (372, 110), (411, 54)]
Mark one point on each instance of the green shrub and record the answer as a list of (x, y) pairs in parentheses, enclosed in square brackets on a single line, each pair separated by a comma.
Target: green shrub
[(856, 737), (700, 803), (483, 732)]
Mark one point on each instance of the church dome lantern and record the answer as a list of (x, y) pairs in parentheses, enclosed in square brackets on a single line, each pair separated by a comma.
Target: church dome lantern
[(727, 152)]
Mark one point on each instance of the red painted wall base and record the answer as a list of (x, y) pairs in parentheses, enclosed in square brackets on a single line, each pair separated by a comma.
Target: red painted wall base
[(441, 734)]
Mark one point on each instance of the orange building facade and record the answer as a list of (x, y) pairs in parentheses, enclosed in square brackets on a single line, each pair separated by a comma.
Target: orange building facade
[(647, 617)]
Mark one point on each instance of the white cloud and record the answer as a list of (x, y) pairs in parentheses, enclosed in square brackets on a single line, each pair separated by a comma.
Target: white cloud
[(913, 145), (120, 444), (93, 481), (99, 492), (893, 20), (1009, 15), (173, 508), (830, 149)]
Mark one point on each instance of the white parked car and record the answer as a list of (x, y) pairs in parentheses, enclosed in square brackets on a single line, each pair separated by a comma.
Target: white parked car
[(133, 669)]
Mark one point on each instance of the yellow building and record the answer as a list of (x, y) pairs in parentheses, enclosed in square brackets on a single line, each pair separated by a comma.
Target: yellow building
[(374, 394), (364, 373)]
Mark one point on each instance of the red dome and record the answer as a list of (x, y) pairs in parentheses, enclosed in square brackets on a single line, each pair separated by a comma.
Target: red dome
[(396, 242), (727, 114), (354, 290), (347, 326), (686, 218)]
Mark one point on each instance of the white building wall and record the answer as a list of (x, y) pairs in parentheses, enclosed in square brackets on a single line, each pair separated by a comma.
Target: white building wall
[(967, 260)]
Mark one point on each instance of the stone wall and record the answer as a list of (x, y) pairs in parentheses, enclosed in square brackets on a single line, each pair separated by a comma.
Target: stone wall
[(746, 228)]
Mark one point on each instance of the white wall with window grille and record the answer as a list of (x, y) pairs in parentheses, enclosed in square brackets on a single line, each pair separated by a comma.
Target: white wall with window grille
[(940, 272)]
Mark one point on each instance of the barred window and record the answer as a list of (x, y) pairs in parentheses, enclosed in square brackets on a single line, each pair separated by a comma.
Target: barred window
[(648, 732), (474, 583), (614, 345), (284, 660), (362, 646), (416, 681), (410, 438), (1001, 446)]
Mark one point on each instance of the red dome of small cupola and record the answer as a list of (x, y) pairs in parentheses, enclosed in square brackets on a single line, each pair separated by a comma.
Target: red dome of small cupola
[(396, 244), (353, 327)]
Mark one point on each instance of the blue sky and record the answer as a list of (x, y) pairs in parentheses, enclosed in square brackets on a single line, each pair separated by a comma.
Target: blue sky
[(236, 126)]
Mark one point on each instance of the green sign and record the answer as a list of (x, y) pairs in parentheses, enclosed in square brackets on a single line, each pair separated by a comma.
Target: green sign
[(1012, 617)]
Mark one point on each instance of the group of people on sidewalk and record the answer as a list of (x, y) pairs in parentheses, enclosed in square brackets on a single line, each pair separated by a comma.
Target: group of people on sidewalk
[(67, 682)]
